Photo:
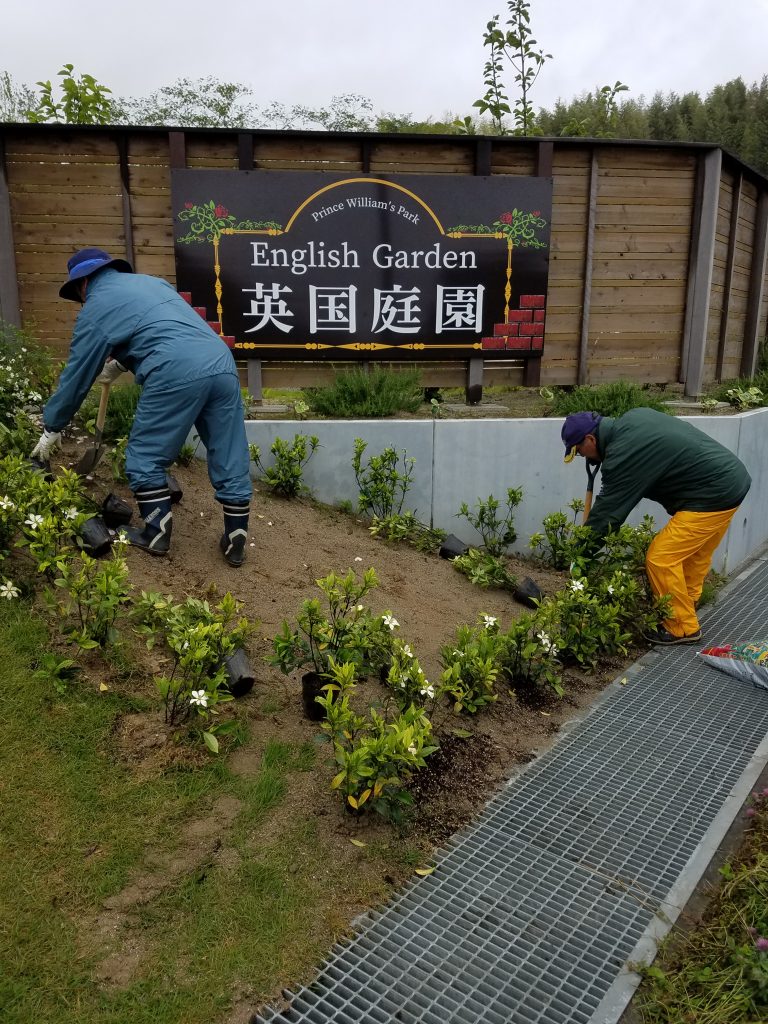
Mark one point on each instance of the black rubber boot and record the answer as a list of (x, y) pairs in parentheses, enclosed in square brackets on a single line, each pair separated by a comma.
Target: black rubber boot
[(155, 509), (235, 535)]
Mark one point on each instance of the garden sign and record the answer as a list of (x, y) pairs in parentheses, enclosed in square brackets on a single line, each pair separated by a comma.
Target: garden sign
[(314, 265)]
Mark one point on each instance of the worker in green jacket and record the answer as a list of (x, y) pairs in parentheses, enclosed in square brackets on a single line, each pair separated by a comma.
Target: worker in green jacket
[(647, 454)]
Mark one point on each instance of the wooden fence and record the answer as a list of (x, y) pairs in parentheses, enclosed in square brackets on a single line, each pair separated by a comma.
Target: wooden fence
[(658, 252)]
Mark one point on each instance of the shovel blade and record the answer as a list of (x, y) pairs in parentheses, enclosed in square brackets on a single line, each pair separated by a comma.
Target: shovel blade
[(90, 460)]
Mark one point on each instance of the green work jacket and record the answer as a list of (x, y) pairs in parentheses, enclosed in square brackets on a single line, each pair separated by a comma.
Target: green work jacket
[(647, 454)]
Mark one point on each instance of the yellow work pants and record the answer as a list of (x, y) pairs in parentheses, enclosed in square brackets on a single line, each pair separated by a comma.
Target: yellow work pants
[(678, 560)]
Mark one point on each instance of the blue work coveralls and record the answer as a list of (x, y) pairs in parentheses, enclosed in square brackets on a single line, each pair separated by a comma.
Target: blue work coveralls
[(187, 373)]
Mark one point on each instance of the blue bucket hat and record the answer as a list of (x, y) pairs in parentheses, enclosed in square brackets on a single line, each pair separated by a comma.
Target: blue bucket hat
[(86, 262), (576, 427)]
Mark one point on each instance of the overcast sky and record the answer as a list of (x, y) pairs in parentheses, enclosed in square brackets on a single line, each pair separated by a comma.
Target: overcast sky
[(423, 57)]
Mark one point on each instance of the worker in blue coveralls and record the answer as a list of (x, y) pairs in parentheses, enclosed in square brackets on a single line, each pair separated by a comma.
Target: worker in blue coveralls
[(134, 322)]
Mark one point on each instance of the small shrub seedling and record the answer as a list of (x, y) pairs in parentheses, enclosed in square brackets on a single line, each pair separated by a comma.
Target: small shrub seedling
[(485, 569), (471, 665), (339, 632), (382, 482), (285, 475), (496, 529)]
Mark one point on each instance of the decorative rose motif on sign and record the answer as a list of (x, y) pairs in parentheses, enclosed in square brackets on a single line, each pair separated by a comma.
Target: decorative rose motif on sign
[(208, 220), (518, 226)]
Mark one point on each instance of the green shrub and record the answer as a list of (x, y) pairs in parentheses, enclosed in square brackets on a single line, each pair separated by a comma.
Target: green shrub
[(284, 476), (404, 526), (611, 399), (123, 399), (744, 392), (496, 530), (367, 393), (485, 569), (382, 486)]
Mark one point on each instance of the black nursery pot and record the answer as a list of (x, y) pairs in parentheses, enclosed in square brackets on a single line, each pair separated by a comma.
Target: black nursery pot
[(115, 512), (95, 537), (312, 684), (452, 547), (240, 677), (528, 593)]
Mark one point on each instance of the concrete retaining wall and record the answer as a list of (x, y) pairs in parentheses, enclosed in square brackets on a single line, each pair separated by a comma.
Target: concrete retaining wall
[(465, 460)]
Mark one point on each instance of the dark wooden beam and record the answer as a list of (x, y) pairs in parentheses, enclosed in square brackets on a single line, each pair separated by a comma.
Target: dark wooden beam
[(728, 283), (751, 344), (473, 392), (366, 148), (177, 149), (9, 286), (582, 370), (545, 153), (125, 184), (483, 156), (700, 271), (245, 151)]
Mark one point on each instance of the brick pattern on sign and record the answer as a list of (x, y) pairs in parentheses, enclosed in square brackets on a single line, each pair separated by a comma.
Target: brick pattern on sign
[(524, 329), (213, 324)]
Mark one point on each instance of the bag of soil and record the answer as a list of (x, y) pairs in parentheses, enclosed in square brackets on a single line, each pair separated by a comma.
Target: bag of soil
[(747, 661)]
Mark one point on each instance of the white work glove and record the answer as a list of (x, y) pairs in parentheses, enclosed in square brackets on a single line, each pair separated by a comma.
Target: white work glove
[(111, 371), (49, 440)]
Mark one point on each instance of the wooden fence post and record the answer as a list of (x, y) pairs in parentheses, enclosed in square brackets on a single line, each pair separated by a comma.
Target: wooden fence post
[(582, 376), (751, 344), (729, 265), (125, 182), (700, 271), (10, 310)]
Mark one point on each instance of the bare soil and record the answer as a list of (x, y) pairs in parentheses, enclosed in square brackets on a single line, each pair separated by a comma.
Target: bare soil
[(291, 545)]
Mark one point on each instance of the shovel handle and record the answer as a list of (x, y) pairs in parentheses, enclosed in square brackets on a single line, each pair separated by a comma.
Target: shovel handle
[(592, 468), (101, 415)]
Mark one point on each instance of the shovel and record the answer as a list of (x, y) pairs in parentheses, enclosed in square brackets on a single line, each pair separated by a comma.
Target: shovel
[(592, 468), (92, 457)]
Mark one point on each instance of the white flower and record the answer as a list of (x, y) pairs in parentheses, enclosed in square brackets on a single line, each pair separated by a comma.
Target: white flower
[(413, 749), (199, 697), (358, 558), (407, 651), (458, 654), (33, 521), (577, 584), (6, 503), (489, 620), (71, 513), (8, 590), (428, 690), (609, 588), (545, 641), (358, 608), (390, 620)]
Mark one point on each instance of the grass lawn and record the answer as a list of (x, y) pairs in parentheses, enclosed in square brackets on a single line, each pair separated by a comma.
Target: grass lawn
[(75, 823)]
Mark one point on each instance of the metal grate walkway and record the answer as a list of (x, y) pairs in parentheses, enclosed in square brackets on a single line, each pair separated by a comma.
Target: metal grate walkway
[(577, 865)]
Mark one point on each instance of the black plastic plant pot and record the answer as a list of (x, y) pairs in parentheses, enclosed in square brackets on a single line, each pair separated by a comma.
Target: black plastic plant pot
[(452, 547), (115, 512), (240, 677), (527, 593), (312, 684), (95, 538), (175, 488), (41, 466)]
